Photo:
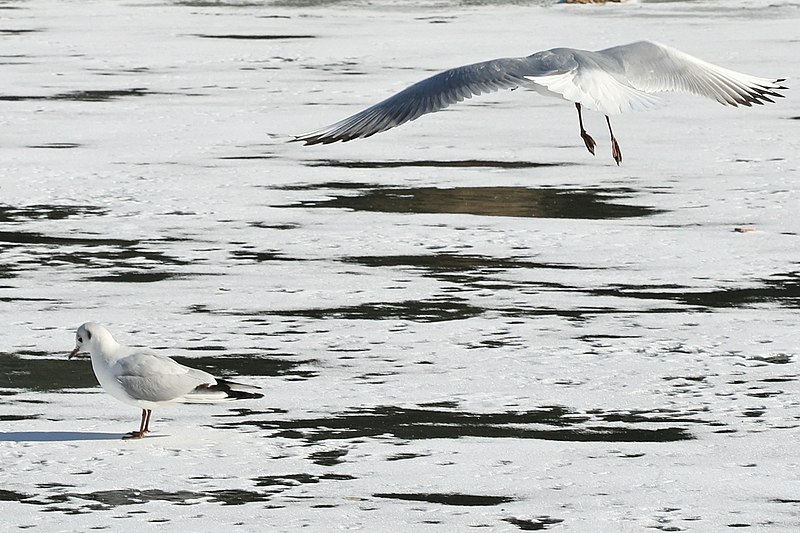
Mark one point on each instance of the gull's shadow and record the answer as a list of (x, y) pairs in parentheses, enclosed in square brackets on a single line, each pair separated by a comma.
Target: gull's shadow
[(55, 436)]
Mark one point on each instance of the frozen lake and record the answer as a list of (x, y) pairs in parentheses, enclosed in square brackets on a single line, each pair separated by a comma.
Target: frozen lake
[(465, 324)]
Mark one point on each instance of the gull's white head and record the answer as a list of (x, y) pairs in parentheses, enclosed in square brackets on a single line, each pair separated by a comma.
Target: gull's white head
[(88, 335)]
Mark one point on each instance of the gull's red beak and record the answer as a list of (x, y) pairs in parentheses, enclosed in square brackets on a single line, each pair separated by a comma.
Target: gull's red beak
[(74, 352)]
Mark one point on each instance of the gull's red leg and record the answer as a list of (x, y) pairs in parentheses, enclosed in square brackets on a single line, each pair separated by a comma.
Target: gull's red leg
[(615, 151), (587, 139), (143, 426)]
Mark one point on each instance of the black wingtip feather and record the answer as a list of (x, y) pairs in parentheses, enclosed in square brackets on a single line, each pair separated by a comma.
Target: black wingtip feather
[(234, 390)]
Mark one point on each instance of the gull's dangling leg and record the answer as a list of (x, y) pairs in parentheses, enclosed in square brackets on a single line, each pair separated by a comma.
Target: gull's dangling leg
[(587, 139), (615, 151), (144, 427), (147, 422)]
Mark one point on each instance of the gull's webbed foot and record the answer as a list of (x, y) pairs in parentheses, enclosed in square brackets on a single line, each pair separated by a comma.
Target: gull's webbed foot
[(616, 153), (588, 141)]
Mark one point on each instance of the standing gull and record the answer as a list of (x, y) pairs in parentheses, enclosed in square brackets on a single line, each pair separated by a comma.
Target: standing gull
[(610, 81), (148, 380)]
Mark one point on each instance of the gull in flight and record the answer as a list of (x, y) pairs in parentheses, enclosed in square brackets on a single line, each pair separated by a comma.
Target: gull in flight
[(610, 81), (147, 380)]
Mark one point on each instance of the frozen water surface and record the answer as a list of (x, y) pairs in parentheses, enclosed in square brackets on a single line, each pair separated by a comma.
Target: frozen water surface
[(467, 323)]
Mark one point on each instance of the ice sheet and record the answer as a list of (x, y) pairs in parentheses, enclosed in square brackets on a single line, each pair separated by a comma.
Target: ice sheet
[(466, 322)]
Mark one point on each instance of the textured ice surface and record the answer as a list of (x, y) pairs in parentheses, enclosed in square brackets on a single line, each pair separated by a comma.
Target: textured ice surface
[(465, 323)]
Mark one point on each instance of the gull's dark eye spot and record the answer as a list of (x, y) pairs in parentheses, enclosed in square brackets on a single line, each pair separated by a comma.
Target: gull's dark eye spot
[(80, 339)]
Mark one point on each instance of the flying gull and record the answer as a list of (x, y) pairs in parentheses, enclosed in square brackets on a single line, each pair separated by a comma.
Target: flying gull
[(610, 81)]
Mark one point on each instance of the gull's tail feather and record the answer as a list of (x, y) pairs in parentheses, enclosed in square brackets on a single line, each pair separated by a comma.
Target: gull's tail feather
[(237, 391), (222, 391)]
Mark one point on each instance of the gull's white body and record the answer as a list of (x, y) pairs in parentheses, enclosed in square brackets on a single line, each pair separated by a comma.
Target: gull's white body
[(145, 379)]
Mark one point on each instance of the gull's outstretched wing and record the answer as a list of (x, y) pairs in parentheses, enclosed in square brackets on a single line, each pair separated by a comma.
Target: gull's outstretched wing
[(653, 67), (427, 96)]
